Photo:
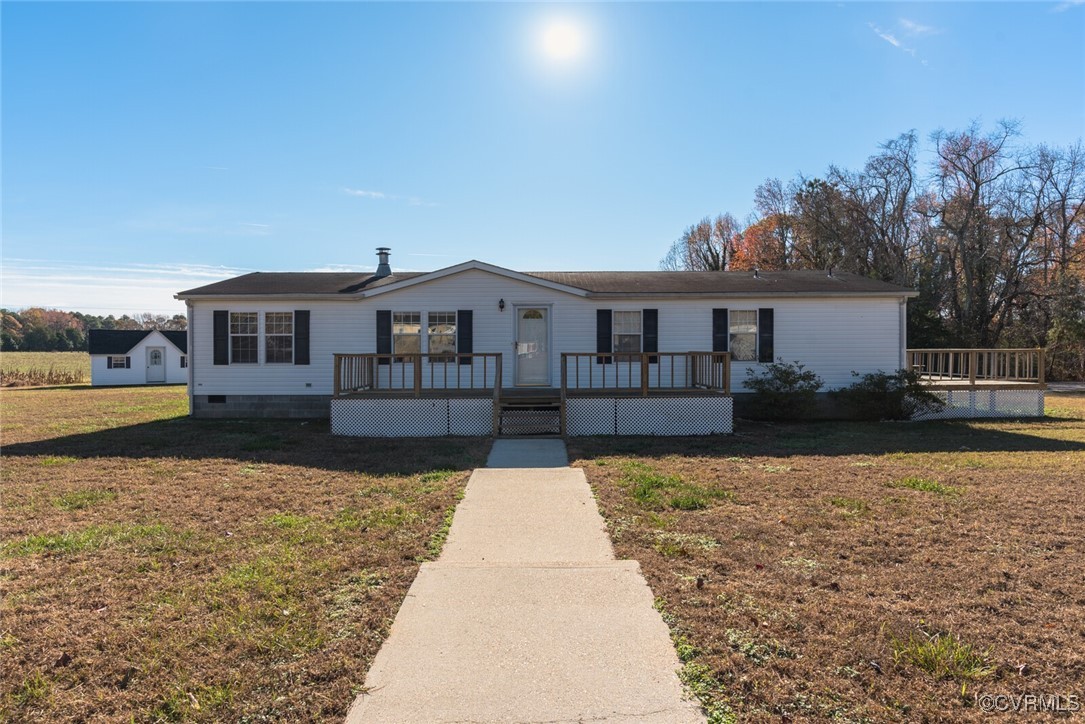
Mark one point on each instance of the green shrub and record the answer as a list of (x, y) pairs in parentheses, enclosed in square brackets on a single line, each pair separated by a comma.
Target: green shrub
[(884, 396), (784, 391)]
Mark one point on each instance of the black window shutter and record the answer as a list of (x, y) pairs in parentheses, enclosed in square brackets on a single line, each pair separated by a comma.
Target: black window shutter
[(384, 334), (720, 331), (465, 334), (222, 337), (109, 362), (602, 335), (650, 321), (301, 336), (764, 335), (128, 363)]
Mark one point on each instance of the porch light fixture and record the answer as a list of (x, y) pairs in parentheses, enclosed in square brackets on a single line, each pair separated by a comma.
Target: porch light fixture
[(501, 304)]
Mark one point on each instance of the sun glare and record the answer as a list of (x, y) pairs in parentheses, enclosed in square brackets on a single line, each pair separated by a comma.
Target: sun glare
[(562, 40)]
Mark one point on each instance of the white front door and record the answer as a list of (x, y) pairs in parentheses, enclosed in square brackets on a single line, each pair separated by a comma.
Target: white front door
[(532, 346), (156, 364)]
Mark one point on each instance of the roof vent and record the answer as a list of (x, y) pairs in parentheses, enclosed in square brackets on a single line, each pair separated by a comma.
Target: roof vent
[(756, 274), (383, 269)]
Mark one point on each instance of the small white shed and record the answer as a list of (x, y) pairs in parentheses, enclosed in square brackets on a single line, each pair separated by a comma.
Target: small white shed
[(138, 357)]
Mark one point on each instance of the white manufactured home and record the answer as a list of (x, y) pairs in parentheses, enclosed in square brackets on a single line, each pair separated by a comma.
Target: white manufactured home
[(476, 348), (137, 357)]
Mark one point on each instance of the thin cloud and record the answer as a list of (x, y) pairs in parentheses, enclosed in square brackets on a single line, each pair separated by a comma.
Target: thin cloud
[(892, 39), (1064, 6), (382, 196), (367, 194), (918, 29)]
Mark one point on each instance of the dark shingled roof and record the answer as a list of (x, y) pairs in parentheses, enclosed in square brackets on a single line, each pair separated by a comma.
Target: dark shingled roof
[(269, 283), (673, 282), (121, 341), (595, 282)]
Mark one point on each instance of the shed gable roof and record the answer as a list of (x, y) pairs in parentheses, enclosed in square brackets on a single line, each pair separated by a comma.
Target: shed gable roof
[(122, 341)]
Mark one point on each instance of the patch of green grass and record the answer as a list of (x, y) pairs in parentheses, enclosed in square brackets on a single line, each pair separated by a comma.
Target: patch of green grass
[(673, 545), (855, 506), (79, 499), (437, 540), (654, 490), (925, 485), (436, 476), (33, 689), (290, 521), (51, 460), (804, 564), (758, 652), (87, 539), (776, 468), (698, 680), (942, 656)]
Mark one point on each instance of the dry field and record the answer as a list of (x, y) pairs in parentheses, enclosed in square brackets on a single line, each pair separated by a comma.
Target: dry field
[(883, 572), (24, 369), (156, 568)]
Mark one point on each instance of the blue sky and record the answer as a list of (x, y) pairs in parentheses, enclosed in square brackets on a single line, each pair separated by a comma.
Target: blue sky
[(149, 148)]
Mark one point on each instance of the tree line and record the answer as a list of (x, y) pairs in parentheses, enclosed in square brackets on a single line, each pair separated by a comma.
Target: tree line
[(51, 330), (990, 231)]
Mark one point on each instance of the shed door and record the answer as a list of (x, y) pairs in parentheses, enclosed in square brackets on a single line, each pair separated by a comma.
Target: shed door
[(156, 364), (532, 346)]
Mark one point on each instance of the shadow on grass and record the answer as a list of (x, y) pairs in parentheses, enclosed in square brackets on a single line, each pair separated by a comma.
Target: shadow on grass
[(305, 443), (841, 438)]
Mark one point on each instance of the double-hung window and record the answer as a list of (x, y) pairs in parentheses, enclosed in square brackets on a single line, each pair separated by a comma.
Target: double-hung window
[(441, 336), (628, 332), (118, 362), (406, 333), (743, 335), (244, 337), (184, 361), (279, 337)]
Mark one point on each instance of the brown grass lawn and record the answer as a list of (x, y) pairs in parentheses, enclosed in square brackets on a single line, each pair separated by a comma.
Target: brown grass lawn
[(155, 567), (861, 572)]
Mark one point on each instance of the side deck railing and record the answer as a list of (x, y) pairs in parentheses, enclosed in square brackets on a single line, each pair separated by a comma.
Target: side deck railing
[(642, 373), (1023, 366), (413, 373)]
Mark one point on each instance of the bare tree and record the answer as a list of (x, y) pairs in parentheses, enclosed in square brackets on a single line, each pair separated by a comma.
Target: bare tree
[(706, 246)]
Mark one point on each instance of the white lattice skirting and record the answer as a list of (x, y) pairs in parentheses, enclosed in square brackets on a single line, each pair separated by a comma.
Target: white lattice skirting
[(664, 416), (412, 418), (971, 404)]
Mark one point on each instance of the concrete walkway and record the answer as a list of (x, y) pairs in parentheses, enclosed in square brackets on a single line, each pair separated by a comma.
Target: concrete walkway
[(526, 616)]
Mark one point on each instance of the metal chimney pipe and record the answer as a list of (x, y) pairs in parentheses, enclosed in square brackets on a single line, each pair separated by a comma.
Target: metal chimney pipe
[(383, 268)]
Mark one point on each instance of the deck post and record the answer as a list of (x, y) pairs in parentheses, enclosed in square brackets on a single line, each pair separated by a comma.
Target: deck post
[(564, 384), (643, 375), (1041, 375), (973, 357), (338, 367), (497, 396), (417, 375)]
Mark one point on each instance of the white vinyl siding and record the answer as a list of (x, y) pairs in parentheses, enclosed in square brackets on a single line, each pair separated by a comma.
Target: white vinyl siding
[(830, 335), (136, 374)]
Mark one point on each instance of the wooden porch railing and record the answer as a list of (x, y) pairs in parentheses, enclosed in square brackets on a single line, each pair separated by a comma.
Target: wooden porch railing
[(416, 372), (645, 371), (972, 366)]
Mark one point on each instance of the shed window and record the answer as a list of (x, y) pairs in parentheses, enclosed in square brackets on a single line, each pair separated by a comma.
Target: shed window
[(627, 332), (244, 337), (406, 333), (441, 335), (184, 361), (118, 362), (743, 335), (279, 337)]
